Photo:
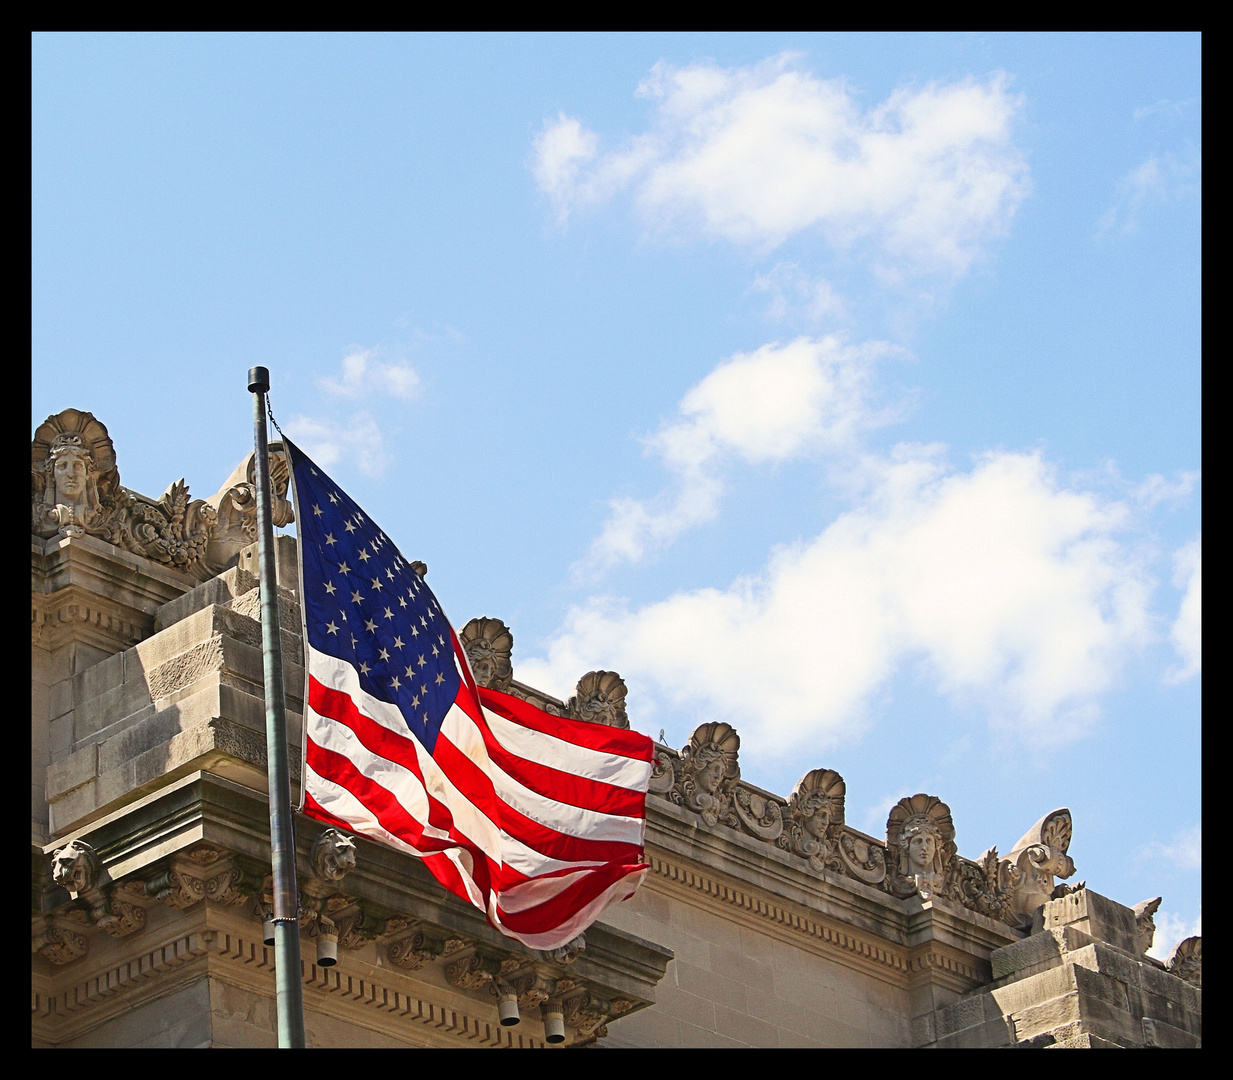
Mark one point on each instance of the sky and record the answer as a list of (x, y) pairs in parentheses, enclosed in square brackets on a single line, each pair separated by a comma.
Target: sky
[(844, 388)]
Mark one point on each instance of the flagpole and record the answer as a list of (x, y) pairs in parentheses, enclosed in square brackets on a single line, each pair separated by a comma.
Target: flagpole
[(289, 986)]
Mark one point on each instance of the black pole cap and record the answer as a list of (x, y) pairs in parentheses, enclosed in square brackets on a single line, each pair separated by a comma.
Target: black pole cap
[(258, 380)]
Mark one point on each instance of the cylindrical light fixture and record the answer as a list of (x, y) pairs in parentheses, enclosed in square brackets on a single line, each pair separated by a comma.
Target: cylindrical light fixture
[(327, 944), (507, 1005), (267, 930), (554, 1022)]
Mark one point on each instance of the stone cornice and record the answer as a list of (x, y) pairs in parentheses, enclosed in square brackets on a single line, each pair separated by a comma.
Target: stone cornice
[(373, 999)]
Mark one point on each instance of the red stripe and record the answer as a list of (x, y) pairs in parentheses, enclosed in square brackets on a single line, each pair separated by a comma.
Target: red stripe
[(626, 743), (545, 917), (560, 786)]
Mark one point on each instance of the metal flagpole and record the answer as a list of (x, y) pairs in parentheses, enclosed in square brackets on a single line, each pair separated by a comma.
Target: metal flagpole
[(290, 990)]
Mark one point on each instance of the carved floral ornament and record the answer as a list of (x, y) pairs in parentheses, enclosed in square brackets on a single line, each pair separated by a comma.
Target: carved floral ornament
[(76, 491)]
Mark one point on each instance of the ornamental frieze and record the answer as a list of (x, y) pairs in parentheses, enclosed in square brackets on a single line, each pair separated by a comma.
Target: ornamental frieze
[(76, 491)]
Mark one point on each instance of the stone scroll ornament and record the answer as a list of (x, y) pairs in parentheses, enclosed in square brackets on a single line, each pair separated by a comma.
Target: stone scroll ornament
[(1040, 855), (76, 491), (815, 817), (920, 837), (708, 773)]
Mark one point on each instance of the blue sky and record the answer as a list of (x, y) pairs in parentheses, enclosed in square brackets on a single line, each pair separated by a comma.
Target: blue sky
[(843, 387)]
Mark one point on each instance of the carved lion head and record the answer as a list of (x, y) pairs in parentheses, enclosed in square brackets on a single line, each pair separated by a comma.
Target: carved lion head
[(333, 855)]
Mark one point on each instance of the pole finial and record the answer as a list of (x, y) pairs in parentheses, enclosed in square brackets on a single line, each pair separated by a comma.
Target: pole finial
[(258, 380)]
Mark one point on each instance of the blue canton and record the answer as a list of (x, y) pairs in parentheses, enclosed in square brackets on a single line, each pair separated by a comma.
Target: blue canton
[(364, 604)]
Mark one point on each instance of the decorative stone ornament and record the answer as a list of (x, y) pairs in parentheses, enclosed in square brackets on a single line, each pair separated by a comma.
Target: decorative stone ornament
[(815, 816), (708, 772), (76, 491), (489, 644), (921, 836), (600, 699), (1186, 961), (333, 855), (1145, 925), (75, 867), (1039, 855)]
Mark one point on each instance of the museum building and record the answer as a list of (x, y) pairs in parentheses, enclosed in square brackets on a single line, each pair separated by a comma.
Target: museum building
[(765, 920)]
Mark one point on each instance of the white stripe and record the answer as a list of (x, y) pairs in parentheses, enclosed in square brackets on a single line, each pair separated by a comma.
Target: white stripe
[(562, 817), (569, 757)]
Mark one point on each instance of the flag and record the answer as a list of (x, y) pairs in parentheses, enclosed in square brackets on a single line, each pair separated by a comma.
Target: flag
[(537, 820)]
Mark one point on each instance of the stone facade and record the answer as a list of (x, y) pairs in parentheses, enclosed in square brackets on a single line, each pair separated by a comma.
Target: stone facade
[(765, 920)]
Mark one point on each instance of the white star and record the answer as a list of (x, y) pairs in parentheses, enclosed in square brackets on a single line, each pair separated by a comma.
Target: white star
[(384, 654), (370, 626), (411, 672), (420, 660), (396, 684), (440, 678), (415, 703), (364, 669), (348, 526), (343, 568), (317, 510), (397, 642), (376, 583), (332, 627), (329, 539), (364, 556), (389, 574), (434, 651), (415, 631), (403, 601), (388, 613), (334, 498), (356, 597), (329, 588)]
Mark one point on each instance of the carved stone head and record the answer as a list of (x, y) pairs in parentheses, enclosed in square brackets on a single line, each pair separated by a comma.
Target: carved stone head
[(75, 867), (709, 769), (1145, 925), (489, 644), (74, 469), (600, 699), (921, 833), (333, 855), (817, 802)]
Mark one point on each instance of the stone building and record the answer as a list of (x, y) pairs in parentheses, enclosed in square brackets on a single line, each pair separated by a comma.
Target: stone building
[(765, 920)]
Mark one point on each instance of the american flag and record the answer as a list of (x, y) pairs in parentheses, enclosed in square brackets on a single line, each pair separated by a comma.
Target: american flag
[(537, 820)]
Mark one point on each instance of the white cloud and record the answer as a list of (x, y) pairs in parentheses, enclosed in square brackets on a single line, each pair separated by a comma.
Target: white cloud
[(364, 377), (359, 441), (1161, 178), (1184, 850), (1170, 931), (1013, 588), (793, 293), (756, 155), (1187, 633), (779, 402)]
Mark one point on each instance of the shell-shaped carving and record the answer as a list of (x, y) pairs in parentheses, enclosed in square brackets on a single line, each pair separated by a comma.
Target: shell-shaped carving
[(920, 835), (489, 646), (1186, 961), (708, 772), (600, 699), (815, 812)]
